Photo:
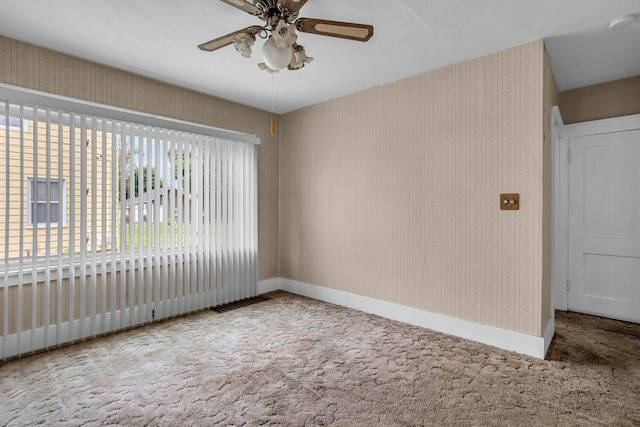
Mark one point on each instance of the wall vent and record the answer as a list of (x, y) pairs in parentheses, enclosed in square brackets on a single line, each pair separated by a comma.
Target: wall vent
[(239, 304)]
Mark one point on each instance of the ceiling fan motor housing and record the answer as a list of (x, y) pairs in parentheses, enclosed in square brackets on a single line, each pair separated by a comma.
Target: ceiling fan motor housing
[(272, 8)]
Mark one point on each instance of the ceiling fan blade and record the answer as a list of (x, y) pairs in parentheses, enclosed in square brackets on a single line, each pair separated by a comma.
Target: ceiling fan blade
[(344, 30), (223, 41), (292, 5), (244, 5)]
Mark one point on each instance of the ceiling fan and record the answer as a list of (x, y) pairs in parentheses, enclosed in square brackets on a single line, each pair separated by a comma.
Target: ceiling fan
[(281, 21)]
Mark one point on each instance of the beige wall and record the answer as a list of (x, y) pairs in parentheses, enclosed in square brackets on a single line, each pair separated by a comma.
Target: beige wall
[(601, 101), (36, 68), (393, 192)]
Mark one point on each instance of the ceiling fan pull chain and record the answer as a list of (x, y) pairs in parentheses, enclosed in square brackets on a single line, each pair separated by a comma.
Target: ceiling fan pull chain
[(273, 119)]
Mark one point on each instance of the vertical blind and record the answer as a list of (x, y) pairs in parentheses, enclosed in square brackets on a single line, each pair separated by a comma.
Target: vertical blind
[(110, 224)]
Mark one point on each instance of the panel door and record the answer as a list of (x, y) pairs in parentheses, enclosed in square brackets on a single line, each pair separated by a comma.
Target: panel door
[(604, 225)]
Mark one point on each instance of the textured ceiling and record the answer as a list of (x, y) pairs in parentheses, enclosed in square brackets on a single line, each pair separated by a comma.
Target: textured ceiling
[(158, 38)]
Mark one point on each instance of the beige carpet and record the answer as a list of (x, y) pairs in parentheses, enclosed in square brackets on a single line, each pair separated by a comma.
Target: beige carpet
[(292, 361)]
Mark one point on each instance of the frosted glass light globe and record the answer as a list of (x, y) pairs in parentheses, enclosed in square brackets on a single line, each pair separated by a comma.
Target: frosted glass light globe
[(275, 57)]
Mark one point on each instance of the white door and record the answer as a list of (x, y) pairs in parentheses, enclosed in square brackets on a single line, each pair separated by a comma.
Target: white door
[(604, 225)]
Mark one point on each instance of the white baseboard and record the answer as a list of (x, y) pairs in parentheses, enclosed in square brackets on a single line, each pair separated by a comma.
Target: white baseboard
[(269, 285), (497, 337)]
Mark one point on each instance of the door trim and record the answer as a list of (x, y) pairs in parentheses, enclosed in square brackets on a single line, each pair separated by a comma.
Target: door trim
[(559, 223), (560, 191)]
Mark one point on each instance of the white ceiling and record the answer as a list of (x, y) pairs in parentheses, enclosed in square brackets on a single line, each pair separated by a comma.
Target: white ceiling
[(158, 38)]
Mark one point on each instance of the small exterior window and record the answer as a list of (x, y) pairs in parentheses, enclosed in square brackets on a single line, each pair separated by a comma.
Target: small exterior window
[(14, 123), (42, 202)]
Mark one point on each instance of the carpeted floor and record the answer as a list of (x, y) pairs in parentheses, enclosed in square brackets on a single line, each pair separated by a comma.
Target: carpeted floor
[(293, 361)]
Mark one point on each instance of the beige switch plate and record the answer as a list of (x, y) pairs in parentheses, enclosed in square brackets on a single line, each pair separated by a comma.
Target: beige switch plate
[(510, 202)]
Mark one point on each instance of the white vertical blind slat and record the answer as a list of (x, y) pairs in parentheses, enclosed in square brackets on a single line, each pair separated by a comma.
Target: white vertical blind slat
[(175, 195), (201, 235), (161, 218), (92, 190), (254, 211), (130, 284), (206, 232), (34, 234), (22, 235), (196, 183), (114, 184), (139, 255), (188, 224), (249, 221), (218, 225), (216, 212), (235, 218), (61, 222), (122, 138), (194, 221), (148, 224), (213, 226), (244, 201), (182, 200), (104, 220), (157, 221), (192, 187), (239, 180), (47, 259), (198, 178), (83, 227), (245, 220), (7, 227), (224, 224), (242, 286), (72, 226), (166, 215)]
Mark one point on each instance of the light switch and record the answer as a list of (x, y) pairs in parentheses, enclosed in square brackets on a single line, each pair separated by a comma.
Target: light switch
[(510, 202)]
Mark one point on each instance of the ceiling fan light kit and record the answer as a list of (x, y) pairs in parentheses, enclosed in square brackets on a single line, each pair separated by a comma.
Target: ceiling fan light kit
[(281, 50), (277, 51), (242, 43)]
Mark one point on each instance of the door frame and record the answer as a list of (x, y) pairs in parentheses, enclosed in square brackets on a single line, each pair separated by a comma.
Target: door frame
[(561, 134)]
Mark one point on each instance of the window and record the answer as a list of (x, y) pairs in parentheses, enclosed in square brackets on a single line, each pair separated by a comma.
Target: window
[(46, 202), (14, 123), (114, 219)]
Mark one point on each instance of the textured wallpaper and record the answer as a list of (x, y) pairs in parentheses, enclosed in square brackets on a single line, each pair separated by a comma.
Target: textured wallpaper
[(393, 192), (36, 68)]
